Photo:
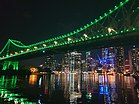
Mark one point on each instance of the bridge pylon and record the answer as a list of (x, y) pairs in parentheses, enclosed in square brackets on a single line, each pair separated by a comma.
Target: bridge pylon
[(7, 64)]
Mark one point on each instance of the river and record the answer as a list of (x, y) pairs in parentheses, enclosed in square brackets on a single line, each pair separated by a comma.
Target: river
[(72, 88)]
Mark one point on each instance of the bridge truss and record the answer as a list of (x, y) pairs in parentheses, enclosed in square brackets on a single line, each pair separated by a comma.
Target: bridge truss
[(116, 23)]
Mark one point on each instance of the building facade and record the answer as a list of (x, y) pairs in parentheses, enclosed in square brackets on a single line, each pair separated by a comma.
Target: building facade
[(120, 59), (72, 61), (135, 58), (109, 58), (50, 62)]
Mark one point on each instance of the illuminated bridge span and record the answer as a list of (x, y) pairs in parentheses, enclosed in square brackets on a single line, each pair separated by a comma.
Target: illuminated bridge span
[(116, 27)]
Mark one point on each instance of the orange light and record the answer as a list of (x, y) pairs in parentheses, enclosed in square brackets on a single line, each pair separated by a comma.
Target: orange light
[(33, 70), (32, 79)]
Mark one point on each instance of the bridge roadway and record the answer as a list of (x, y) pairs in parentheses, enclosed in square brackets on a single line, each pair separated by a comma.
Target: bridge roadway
[(123, 39)]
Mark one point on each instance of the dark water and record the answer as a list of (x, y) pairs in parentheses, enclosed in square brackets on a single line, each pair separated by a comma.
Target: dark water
[(68, 89)]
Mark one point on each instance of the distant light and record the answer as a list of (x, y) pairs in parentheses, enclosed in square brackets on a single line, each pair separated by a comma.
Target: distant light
[(35, 47), (85, 35), (43, 51), (41, 65), (44, 45), (69, 39), (111, 30), (55, 42), (22, 51), (16, 52), (15, 101), (28, 49)]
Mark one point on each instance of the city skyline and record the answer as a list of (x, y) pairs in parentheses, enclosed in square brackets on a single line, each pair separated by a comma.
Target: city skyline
[(69, 52), (94, 54)]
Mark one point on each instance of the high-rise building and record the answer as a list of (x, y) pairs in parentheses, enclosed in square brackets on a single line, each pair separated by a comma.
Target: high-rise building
[(50, 62), (109, 57), (120, 58), (72, 61), (91, 63), (135, 58), (88, 60), (130, 61), (66, 62), (127, 65)]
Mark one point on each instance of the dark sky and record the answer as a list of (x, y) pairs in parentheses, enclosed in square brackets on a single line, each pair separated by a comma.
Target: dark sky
[(32, 21)]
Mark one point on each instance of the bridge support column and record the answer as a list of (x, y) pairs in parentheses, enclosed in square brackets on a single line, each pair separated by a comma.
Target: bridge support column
[(7, 64)]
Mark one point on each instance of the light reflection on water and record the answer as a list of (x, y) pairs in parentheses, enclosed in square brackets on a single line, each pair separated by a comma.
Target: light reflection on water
[(68, 88)]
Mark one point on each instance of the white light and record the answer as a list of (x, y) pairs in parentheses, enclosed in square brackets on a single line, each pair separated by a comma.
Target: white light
[(111, 30), (44, 45), (69, 39), (85, 35), (28, 49), (15, 101), (35, 47), (16, 52), (41, 65), (40, 80), (55, 42), (22, 51), (11, 54)]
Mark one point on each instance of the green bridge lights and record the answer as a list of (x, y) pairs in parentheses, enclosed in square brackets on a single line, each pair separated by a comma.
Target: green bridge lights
[(84, 27), (64, 39), (56, 44)]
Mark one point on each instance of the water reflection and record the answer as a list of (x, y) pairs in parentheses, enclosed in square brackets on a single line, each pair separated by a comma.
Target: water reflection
[(69, 88), (7, 84), (8, 81), (33, 79)]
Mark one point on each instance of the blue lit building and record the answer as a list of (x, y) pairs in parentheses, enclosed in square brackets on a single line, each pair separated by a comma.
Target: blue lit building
[(109, 58)]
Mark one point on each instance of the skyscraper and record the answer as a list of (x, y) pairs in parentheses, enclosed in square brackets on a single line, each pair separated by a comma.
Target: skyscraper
[(72, 61), (109, 57), (50, 62), (88, 60), (120, 58), (135, 58), (91, 63)]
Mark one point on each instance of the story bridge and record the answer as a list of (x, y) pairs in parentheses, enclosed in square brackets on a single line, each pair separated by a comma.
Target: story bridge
[(117, 27)]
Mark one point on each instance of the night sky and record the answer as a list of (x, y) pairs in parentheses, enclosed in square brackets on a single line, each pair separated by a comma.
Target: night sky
[(32, 21)]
